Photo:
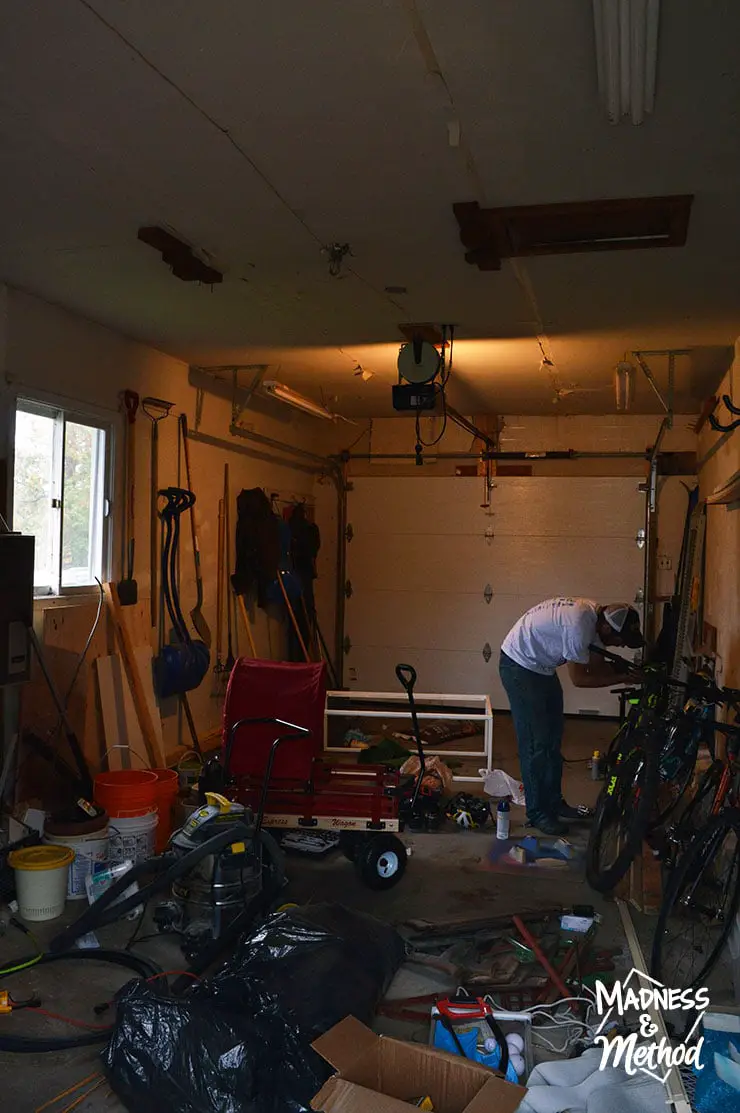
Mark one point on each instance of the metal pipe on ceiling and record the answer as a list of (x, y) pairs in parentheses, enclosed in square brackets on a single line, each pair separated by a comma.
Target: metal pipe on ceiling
[(219, 442), (329, 463), (533, 457)]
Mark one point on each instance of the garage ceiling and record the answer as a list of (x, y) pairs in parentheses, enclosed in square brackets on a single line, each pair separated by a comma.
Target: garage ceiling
[(259, 133)]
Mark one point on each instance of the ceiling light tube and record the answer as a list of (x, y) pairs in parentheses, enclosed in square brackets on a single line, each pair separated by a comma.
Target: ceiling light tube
[(651, 52), (292, 398), (638, 69), (626, 33)]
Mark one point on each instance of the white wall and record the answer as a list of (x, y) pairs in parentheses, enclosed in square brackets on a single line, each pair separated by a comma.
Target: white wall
[(722, 589), (49, 351)]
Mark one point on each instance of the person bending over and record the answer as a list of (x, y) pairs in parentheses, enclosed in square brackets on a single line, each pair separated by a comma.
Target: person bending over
[(554, 633)]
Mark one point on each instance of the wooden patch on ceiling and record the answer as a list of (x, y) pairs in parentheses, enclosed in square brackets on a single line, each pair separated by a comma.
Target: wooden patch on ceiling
[(490, 235), (431, 333)]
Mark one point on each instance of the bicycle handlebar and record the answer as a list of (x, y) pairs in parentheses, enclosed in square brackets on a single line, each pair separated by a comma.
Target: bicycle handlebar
[(708, 690)]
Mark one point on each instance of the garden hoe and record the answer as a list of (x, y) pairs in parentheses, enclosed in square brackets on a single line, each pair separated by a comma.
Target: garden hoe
[(218, 668), (128, 590), (156, 410), (197, 617), (230, 659)]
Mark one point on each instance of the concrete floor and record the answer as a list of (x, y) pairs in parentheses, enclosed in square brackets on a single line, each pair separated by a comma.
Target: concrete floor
[(447, 875)]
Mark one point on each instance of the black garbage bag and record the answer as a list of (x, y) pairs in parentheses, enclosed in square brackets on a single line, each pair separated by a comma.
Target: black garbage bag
[(239, 1042), (320, 963)]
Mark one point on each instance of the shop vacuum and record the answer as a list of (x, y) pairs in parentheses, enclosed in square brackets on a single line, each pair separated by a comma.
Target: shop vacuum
[(219, 873)]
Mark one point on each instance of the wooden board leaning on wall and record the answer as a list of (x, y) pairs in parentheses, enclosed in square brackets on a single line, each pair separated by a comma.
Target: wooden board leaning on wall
[(64, 631)]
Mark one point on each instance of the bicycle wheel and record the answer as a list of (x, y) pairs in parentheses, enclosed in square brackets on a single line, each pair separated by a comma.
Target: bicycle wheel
[(700, 906), (676, 768), (698, 811), (674, 838), (623, 809)]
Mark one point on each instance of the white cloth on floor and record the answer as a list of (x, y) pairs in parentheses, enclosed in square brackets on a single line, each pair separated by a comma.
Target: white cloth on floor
[(578, 1086)]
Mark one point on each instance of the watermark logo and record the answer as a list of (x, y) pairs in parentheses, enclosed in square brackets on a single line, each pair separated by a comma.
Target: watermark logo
[(642, 1051)]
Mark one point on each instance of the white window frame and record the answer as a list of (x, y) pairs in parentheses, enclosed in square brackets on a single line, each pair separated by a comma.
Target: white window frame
[(64, 412)]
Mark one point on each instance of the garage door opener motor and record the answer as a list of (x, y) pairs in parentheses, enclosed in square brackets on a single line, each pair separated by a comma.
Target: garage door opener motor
[(423, 372)]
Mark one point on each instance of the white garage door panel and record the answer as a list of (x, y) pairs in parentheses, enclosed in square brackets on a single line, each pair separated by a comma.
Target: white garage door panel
[(548, 566), (373, 670), (420, 560), (462, 673), (557, 506), (540, 566), (425, 620), (435, 562), (417, 506)]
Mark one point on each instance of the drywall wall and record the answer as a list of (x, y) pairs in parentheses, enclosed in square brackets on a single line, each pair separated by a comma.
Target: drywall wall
[(52, 353), (719, 460)]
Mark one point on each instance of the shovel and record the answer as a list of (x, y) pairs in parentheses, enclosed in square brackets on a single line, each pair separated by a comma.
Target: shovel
[(156, 410), (201, 626), (128, 589)]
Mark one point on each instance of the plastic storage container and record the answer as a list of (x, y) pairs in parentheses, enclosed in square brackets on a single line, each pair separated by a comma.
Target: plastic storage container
[(126, 793), (41, 874), (90, 843), (133, 839)]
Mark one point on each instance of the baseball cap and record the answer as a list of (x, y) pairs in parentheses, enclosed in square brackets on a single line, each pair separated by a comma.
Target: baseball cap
[(626, 621)]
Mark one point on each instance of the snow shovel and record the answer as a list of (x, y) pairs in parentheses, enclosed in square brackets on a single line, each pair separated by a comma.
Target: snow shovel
[(197, 617), (128, 589), (406, 676)]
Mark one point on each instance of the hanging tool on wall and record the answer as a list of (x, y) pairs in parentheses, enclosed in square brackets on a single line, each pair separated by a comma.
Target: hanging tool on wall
[(128, 590), (218, 668), (287, 587), (156, 410), (180, 667), (229, 594), (247, 624), (198, 619), (717, 425)]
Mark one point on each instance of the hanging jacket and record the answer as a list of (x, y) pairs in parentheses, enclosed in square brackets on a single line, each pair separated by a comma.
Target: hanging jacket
[(257, 545), (305, 545)]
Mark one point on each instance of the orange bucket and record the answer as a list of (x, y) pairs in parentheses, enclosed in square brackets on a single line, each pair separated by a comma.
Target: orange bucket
[(166, 790), (126, 793)]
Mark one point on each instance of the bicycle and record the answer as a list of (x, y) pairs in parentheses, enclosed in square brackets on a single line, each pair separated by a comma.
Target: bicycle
[(649, 766), (702, 897)]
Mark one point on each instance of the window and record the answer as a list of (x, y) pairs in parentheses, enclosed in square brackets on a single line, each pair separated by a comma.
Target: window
[(60, 487)]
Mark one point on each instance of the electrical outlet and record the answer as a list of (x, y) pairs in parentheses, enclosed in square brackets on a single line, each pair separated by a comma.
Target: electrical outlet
[(353, 675), (665, 564)]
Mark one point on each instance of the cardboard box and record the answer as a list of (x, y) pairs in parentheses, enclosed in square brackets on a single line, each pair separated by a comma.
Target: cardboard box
[(377, 1074)]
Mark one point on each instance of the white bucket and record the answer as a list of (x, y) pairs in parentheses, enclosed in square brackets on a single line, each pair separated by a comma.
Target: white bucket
[(133, 838), (41, 880), (89, 850)]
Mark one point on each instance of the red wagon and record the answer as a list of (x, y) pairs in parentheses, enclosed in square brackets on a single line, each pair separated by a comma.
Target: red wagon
[(274, 762)]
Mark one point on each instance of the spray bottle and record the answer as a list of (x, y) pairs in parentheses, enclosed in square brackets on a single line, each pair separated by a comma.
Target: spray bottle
[(595, 763), (503, 819)]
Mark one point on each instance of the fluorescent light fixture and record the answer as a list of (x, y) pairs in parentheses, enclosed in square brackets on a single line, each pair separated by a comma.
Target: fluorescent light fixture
[(627, 56), (292, 398)]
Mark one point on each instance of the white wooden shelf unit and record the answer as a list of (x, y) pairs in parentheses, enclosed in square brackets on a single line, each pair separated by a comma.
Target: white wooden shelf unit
[(429, 707)]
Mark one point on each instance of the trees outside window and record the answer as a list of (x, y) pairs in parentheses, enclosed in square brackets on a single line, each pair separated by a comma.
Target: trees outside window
[(59, 494)]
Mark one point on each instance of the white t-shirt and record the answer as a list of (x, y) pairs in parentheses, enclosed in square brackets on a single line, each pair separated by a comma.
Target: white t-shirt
[(552, 633)]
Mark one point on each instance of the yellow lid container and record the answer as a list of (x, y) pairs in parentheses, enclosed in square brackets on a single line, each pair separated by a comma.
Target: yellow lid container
[(41, 857)]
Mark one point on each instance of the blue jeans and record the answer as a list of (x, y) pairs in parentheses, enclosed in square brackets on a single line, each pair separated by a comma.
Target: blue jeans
[(537, 710)]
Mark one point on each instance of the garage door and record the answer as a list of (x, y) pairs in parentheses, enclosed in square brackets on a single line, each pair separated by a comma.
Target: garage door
[(424, 551)]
